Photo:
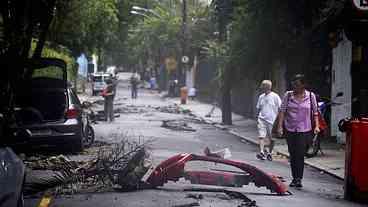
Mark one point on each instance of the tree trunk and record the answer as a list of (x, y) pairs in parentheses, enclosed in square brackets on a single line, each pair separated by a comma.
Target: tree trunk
[(226, 87), (226, 100)]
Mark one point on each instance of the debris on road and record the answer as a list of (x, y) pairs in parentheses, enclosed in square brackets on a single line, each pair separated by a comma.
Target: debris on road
[(129, 110), (100, 116), (177, 125), (120, 166), (224, 153), (188, 205), (172, 169), (194, 196), (246, 202), (54, 163), (173, 109)]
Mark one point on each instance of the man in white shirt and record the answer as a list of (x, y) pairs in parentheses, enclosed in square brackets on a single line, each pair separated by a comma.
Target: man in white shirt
[(268, 106)]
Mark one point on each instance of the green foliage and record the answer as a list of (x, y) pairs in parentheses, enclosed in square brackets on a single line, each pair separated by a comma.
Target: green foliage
[(264, 32), (154, 36), (61, 53), (82, 26), (49, 72), (218, 52), (159, 33)]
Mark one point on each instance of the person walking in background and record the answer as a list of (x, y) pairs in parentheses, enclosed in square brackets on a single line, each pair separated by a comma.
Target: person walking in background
[(108, 94), (134, 81), (192, 93), (298, 120), (115, 85), (268, 106), (153, 83)]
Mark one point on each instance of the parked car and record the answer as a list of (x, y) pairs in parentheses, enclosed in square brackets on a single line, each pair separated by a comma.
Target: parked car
[(99, 82), (50, 110), (112, 70), (12, 174)]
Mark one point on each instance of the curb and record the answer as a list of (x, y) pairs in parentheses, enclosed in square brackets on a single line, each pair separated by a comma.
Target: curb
[(252, 141), (311, 164)]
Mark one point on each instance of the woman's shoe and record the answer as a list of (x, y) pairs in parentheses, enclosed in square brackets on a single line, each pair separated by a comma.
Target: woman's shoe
[(269, 157)]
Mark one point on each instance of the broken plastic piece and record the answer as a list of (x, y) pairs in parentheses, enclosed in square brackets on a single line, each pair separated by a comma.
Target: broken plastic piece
[(224, 153), (172, 169)]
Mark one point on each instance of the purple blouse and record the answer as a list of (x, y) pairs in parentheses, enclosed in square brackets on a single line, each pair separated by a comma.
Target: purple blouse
[(297, 113)]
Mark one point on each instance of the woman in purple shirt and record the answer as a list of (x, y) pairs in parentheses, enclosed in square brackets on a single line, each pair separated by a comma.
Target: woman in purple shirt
[(298, 120)]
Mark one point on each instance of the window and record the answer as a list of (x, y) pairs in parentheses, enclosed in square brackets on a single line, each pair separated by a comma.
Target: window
[(48, 72)]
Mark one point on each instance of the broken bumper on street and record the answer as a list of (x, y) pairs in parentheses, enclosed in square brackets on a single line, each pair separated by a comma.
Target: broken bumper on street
[(172, 169)]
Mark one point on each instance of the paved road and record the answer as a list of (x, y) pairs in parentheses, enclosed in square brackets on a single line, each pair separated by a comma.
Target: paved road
[(320, 190)]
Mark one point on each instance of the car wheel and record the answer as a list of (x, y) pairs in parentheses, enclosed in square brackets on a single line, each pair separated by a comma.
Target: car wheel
[(89, 137)]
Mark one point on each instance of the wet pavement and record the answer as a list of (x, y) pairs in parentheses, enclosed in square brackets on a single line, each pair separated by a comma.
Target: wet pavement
[(141, 120)]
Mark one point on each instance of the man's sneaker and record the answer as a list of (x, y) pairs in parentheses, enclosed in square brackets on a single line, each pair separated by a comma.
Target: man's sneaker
[(269, 157), (298, 184), (261, 156), (293, 183)]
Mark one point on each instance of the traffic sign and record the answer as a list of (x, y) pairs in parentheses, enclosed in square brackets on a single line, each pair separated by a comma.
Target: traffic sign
[(185, 59), (171, 64)]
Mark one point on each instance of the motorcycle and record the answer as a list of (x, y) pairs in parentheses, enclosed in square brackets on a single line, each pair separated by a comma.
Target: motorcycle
[(90, 119), (314, 145)]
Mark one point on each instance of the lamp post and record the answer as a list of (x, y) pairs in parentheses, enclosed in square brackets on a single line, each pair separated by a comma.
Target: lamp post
[(182, 68), (138, 13), (137, 9), (147, 13)]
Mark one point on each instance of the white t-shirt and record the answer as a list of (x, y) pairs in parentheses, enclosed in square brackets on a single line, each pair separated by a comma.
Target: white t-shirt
[(192, 92), (268, 106)]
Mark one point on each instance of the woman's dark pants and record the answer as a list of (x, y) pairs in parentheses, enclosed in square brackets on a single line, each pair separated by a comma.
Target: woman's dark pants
[(297, 142)]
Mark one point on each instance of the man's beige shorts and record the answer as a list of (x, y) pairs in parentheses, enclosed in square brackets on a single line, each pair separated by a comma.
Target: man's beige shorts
[(264, 129)]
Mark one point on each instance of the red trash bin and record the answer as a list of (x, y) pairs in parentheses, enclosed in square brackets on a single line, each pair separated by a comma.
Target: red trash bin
[(356, 160), (183, 95)]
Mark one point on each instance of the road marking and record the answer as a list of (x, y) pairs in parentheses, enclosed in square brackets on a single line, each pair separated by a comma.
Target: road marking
[(45, 201)]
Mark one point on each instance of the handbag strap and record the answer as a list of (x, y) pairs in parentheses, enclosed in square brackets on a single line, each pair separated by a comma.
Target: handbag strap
[(311, 107), (287, 101)]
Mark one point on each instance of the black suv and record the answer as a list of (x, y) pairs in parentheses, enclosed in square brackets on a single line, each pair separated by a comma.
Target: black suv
[(50, 110)]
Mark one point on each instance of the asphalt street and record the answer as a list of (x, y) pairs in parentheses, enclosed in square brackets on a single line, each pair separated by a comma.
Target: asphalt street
[(319, 190)]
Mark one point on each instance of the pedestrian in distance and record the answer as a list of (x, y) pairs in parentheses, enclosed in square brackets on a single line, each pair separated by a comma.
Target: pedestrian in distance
[(298, 121), (192, 93), (268, 106), (115, 85), (108, 94), (152, 82), (134, 81)]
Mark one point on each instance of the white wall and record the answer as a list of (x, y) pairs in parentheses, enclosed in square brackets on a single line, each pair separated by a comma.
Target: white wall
[(94, 61), (341, 82)]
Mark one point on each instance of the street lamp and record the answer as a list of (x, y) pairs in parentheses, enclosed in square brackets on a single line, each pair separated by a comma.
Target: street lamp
[(137, 8), (138, 13)]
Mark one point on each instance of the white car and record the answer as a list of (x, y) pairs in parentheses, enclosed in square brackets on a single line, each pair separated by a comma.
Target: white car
[(99, 82)]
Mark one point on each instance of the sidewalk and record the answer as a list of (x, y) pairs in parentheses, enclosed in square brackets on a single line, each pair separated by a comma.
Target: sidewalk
[(332, 162)]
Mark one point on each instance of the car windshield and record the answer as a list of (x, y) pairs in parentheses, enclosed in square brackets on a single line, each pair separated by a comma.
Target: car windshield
[(97, 79), (48, 72)]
